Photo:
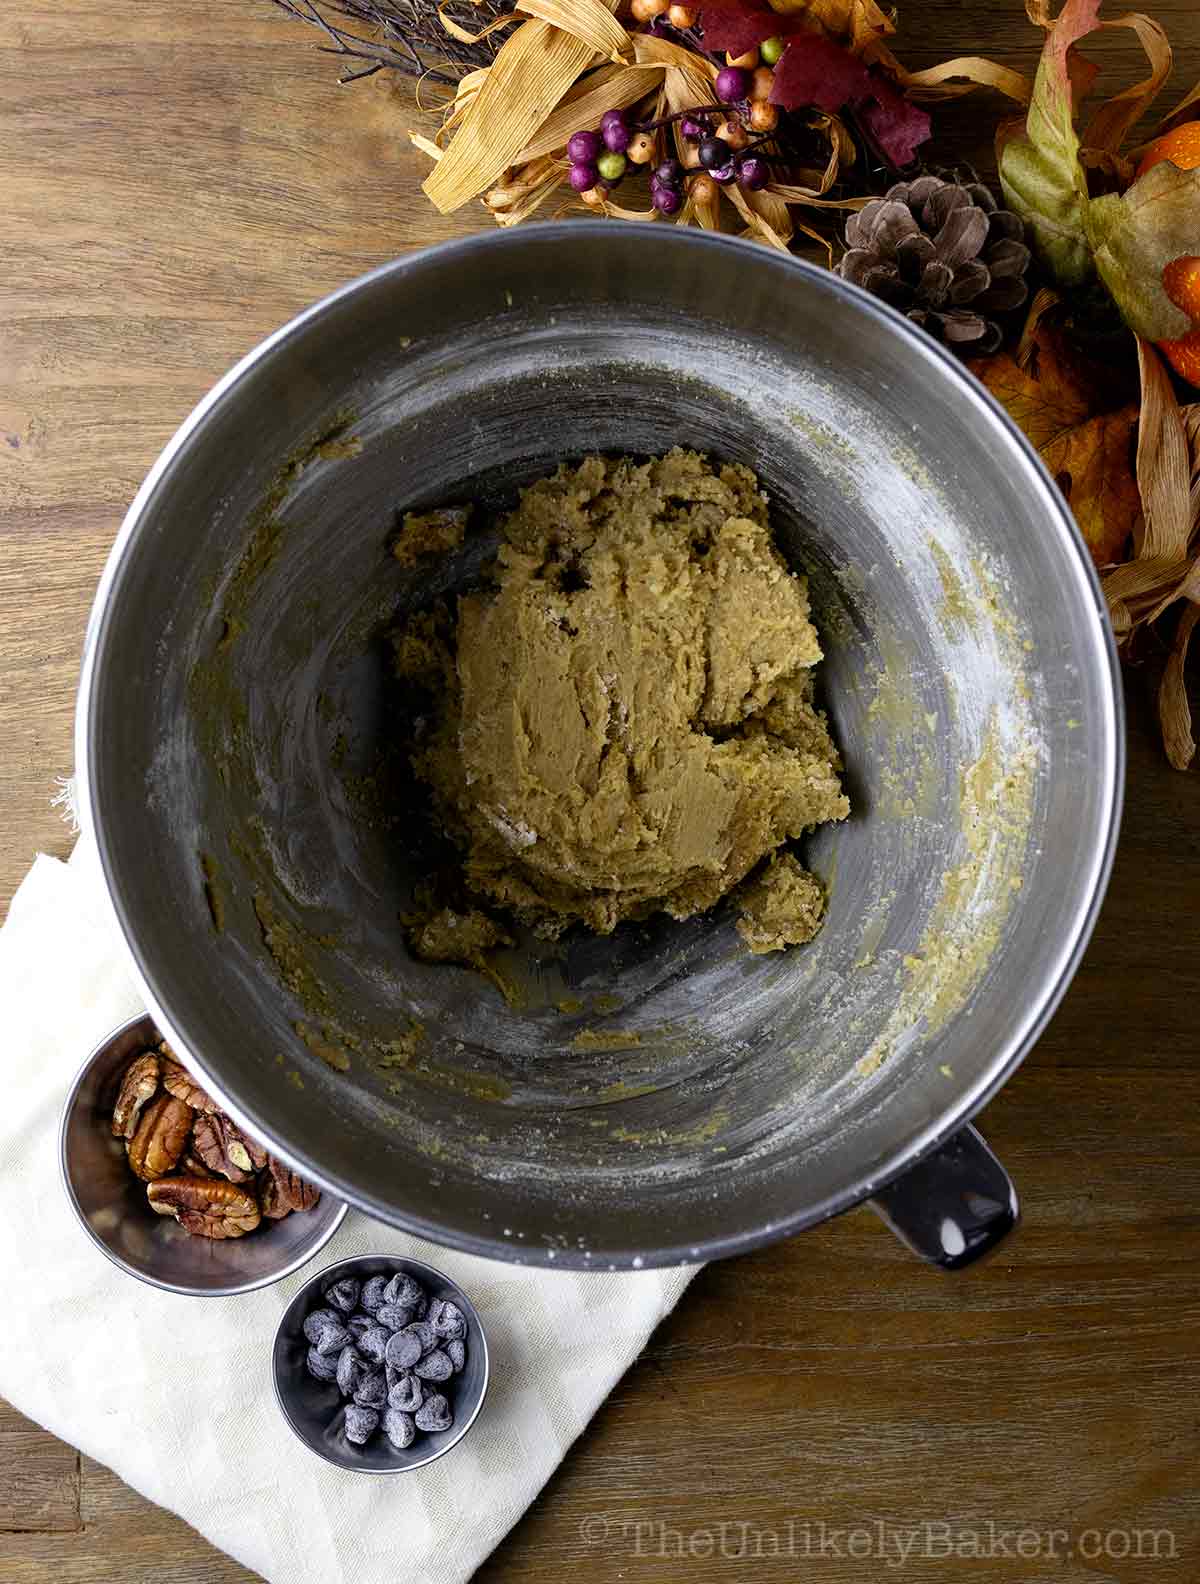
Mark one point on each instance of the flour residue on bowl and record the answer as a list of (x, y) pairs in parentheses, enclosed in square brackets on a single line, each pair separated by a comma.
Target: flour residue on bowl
[(975, 897)]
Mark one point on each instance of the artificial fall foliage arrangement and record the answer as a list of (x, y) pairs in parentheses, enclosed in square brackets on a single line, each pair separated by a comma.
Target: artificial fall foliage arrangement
[(1074, 293)]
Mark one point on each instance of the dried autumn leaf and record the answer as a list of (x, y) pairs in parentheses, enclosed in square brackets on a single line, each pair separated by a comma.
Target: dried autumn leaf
[(1040, 172), (736, 26), (1174, 713), (1136, 234), (1087, 450), (813, 70), (1168, 466)]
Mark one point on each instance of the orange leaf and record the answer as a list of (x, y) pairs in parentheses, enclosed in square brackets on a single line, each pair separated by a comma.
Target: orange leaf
[(1088, 449)]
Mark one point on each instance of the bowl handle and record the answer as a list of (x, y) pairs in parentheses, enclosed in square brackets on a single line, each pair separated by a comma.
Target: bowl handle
[(954, 1206)]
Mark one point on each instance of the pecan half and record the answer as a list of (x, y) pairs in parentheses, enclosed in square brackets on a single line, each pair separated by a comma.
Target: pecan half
[(137, 1086), (225, 1149), (205, 1206), (178, 1081), (160, 1137), (280, 1191)]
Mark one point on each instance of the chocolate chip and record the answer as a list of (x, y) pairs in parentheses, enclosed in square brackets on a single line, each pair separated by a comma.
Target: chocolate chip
[(407, 1394), (372, 1294), (399, 1428), (434, 1413), (403, 1349), (435, 1366), (324, 1367), (447, 1319), (424, 1334), (350, 1370), (395, 1316), (361, 1424), (403, 1289), (343, 1294), (332, 1339), (372, 1344), (317, 1321), (372, 1391)]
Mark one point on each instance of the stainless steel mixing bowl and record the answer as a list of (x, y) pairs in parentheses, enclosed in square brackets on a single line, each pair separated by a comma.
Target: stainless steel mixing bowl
[(658, 1095)]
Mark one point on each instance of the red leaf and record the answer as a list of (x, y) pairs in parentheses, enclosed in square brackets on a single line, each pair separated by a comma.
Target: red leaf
[(738, 26), (816, 71), (813, 70), (894, 125)]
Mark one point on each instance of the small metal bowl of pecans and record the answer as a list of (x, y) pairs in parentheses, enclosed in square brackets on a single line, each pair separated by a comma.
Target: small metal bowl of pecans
[(169, 1187)]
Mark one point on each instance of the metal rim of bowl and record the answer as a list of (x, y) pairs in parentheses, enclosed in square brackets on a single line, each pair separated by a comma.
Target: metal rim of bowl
[(229, 1290), (303, 1296), (1027, 1028)]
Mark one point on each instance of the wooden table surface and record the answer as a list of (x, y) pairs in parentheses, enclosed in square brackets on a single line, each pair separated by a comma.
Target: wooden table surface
[(178, 177)]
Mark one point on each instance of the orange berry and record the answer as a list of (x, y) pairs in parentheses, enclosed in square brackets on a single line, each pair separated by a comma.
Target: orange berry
[(764, 117), (762, 82), (681, 16), (1181, 277), (640, 149), (1181, 282), (1181, 147), (703, 190), (733, 133), (1184, 356), (647, 10)]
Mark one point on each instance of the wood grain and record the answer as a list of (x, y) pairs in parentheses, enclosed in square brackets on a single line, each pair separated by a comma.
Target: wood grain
[(176, 179)]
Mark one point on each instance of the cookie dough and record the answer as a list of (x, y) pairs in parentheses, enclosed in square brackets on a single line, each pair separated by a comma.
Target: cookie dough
[(623, 722)]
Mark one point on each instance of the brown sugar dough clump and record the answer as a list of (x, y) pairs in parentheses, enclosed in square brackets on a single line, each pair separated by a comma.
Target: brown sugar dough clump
[(623, 723)]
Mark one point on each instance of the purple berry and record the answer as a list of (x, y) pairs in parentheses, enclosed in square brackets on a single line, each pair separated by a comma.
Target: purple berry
[(753, 173), (583, 147), (732, 85), (582, 177), (714, 152), (616, 137), (612, 118), (724, 174), (668, 174), (667, 200), (692, 130)]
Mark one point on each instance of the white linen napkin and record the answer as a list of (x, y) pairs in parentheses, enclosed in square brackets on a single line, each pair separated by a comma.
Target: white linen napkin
[(175, 1393)]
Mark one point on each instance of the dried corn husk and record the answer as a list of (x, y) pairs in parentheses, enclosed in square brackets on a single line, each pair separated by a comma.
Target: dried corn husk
[(1165, 565), (1174, 713), (1112, 121), (1183, 111), (1161, 539), (607, 88), (591, 21), (963, 75), (532, 71)]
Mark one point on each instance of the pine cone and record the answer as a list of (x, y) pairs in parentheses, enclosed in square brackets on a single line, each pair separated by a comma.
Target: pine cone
[(943, 253)]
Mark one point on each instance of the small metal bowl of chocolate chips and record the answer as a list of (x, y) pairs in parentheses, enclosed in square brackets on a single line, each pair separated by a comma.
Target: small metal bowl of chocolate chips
[(169, 1188), (380, 1364)]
